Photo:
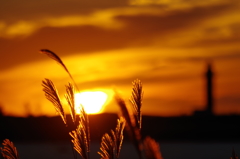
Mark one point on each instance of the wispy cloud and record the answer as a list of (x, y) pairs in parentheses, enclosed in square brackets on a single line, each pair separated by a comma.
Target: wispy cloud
[(175, 4), (162, 17), (24, 27)]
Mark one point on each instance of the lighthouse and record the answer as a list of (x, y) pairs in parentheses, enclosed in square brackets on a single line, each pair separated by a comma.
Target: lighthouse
[(208, 76), (209, 90)]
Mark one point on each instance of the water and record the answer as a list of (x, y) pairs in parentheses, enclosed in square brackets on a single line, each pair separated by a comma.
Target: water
[(169, 150)]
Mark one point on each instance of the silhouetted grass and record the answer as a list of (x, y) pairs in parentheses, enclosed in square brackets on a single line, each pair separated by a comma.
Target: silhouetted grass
[(81, 136), (9, 151), (111, 144), (51, 94)]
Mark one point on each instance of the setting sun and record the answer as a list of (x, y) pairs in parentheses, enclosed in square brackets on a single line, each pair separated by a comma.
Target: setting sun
[(92, 101)]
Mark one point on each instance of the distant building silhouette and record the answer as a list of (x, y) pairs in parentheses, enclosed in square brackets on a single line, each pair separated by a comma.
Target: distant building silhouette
[(209, 93), (209, 86)]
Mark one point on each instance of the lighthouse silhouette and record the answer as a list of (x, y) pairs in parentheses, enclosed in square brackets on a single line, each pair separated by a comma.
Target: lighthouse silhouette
[(209, 87), (209, 93)]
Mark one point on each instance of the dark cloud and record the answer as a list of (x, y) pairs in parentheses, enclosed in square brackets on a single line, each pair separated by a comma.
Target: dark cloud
[(235, 29), (11, 10), (169, 22), (216, 36), (220, 41), (233, 99), (145, 78), (221, 55), (85, 39)]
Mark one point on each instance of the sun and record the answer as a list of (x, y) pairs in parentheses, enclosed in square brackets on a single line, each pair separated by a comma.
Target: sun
[(92, 101)]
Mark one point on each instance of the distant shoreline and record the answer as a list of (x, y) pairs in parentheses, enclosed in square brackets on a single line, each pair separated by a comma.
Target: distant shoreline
[(187, 128)]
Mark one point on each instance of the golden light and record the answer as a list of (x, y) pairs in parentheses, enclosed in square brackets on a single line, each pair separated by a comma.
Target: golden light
[(92, 102)]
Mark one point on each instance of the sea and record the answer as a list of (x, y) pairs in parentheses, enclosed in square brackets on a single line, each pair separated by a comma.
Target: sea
[(169, 150)]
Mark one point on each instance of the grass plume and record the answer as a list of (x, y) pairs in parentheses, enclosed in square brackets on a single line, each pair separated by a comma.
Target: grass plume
[(70, 91), (81, 136), (51, 94), (136, 100), (132, 130), (107, 147), (9, 151), (111, 144), (118, 135)]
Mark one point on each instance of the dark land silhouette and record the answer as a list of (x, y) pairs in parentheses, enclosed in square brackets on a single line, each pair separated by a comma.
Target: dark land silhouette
[(188, 128)]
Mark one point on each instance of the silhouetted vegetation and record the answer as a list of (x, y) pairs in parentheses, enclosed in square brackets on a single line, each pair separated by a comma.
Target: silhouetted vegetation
[(110, 143), (78, 127)]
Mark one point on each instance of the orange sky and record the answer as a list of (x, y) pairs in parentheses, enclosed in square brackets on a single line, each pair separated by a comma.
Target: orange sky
[(107, 44)]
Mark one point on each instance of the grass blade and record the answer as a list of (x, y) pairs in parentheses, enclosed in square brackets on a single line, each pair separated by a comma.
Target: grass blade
[(56, 58), (51, 94)]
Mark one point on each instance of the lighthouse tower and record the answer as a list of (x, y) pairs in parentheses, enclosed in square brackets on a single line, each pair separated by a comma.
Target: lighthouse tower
[(209, 90), (208, 111)]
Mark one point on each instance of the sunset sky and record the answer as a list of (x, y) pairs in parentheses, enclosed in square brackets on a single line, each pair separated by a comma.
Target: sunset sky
[(106, 44)]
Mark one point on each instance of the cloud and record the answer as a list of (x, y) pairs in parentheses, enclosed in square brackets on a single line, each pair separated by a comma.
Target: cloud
[(176, 4), (25, 28), (155, 17), (27, 9), (173, 20)]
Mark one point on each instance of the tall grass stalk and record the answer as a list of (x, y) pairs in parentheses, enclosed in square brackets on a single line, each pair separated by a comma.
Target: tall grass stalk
[(111, 144), (133, 132), (136, 100), (9, 151), (56, 58), (70, 97), (51, 94), (81, 136), (131, 118)]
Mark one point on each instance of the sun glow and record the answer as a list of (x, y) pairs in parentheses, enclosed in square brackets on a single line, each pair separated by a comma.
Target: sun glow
[(92, 102)]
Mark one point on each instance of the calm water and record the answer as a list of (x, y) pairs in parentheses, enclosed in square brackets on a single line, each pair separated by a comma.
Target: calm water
[(169, 150)]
